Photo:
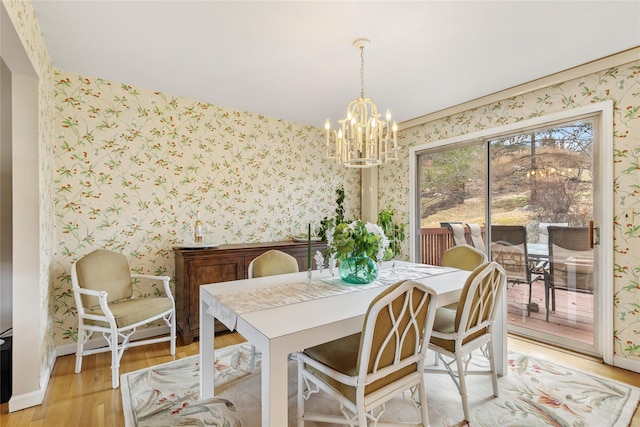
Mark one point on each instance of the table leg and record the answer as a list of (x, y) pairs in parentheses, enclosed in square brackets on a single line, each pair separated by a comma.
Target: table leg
[(274, 387), (207, 355)]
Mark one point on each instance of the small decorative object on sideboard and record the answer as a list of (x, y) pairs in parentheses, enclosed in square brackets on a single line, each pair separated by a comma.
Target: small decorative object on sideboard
[(198, 230), (198, 235)]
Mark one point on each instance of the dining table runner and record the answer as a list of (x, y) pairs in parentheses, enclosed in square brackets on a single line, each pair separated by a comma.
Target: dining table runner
[(229, 305)]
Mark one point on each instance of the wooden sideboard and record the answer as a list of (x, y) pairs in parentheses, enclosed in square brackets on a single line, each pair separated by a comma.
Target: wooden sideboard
[(196, 267)]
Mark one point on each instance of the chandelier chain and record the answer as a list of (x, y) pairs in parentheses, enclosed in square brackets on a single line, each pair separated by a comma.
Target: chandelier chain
[(361, 71)]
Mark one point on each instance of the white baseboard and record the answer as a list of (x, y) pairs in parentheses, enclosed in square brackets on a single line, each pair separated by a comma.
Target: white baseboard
[(628, 364), (99, 341), (33, 398)]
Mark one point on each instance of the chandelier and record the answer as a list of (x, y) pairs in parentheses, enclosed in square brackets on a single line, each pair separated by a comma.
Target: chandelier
[(363, 140)]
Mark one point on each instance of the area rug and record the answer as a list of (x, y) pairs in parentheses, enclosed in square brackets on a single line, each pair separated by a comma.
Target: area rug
[(534, 393)]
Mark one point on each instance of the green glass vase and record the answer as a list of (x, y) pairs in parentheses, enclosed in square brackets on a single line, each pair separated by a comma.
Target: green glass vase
[(358, 270)]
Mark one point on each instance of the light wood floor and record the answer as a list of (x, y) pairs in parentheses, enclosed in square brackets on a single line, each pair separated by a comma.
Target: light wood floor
[(87, 399)]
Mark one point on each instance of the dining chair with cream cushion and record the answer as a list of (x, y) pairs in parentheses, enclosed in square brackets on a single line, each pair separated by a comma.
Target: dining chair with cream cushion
[(458, 333), (464, 257), (270, 263), (102, 286), (365, 370)]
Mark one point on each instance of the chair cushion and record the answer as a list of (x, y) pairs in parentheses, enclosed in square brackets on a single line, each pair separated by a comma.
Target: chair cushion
[(274, 262), (342, 355), (104, 270), (131, 311), (445, 323), (464, 257)]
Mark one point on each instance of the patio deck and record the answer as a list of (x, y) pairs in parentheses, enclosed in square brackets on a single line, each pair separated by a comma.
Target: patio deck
[(572, 319)]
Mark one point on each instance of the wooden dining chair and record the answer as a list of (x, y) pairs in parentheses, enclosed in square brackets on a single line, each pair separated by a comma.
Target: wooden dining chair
[(365, 370), (458, 333)]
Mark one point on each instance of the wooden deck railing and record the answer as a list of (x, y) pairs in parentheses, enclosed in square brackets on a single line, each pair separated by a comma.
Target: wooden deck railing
[(435, 241)]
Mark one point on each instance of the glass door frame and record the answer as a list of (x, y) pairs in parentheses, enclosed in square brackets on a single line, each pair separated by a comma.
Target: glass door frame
[(602, 208)]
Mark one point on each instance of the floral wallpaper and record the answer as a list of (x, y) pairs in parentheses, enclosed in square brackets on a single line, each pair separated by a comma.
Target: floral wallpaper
[(23, 18), (128, 169), (620, 84), (134, 168)]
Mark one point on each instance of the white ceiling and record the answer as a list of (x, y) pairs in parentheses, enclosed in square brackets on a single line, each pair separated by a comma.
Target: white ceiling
[(295, 60)]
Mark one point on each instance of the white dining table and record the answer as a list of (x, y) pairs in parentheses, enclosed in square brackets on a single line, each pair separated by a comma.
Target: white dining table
[(283, 314)]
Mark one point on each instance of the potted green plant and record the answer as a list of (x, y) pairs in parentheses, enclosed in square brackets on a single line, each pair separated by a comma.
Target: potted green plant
[(328, 223), (394, 232), (359, 247)]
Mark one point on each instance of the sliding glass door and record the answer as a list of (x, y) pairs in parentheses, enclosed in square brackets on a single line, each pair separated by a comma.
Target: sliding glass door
[(540, 182)]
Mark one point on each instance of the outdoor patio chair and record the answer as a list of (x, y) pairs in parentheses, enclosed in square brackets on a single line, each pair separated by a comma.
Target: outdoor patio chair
[(103, 289), (458, 333), (458, 234), (476, 237), (365, 370), (509, 249), (543, 230), (570, 263)]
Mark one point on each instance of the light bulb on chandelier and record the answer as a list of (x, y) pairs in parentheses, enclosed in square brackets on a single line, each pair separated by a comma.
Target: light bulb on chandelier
[(362, 140)]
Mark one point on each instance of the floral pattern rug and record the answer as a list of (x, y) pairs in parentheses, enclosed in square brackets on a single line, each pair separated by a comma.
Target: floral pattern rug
[(534, 393)]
